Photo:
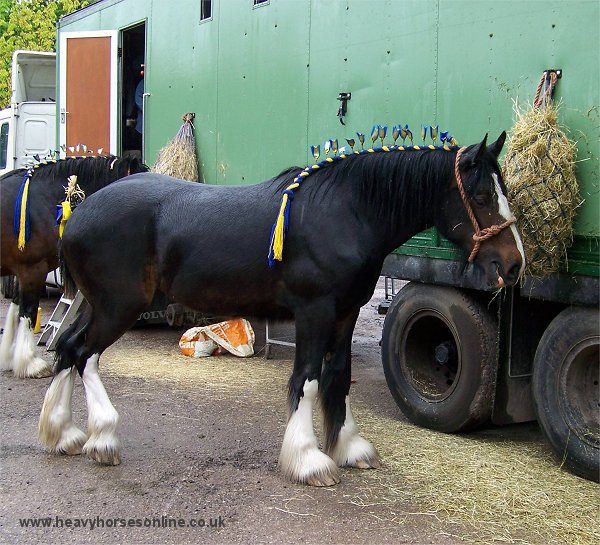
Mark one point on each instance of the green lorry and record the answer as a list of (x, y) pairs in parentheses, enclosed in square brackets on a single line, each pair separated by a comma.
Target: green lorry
[(269, 78)]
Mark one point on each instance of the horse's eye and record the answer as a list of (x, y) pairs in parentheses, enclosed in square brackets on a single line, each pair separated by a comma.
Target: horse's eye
[(482, 199)]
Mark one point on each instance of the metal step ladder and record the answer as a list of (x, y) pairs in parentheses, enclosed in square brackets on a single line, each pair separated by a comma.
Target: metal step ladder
[(62, 317)]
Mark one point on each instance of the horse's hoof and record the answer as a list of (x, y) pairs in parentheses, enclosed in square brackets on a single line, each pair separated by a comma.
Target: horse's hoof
[(310, 466), (103, 457), (373, 462), (71, 442), (323, 480), (106, 453), (354, 451)]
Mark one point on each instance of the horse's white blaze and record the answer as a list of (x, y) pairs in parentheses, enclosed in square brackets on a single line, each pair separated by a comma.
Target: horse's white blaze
[(56, 429), (25, 362), (300, 458), (350, 448), (103, 444), (8, 338), (504, 210)]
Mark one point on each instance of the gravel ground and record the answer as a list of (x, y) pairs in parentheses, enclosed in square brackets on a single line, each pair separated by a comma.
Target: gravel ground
[(200, 440)]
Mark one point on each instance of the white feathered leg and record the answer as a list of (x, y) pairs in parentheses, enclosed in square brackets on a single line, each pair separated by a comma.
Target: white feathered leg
[(351, 449), (56, 429), (25, 363), (300, 458), (103, 444), (7, 345)]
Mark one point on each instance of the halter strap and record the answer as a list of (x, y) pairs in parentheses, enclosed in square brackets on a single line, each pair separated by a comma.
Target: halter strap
[(479, 235)]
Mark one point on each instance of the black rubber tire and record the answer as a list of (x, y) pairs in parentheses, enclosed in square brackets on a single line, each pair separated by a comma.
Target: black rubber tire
[(566, 392), (456, 396), (9, 287)]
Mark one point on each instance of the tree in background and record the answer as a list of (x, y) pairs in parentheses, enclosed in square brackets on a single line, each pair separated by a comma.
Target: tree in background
[(28, 24)]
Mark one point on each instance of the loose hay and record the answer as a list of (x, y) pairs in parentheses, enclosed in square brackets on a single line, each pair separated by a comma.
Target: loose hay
[(178, 158), (539, 170), (507, 491), (481, 488)]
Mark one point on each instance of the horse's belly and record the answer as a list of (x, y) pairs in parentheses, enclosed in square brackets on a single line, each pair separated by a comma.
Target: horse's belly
[(223, 296)]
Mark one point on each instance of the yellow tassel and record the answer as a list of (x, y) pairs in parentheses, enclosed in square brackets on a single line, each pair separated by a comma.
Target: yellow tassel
[(38, 321), (278, 232), (22, 218), (66, 206)]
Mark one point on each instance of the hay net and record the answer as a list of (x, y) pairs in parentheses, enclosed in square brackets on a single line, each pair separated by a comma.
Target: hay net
[(539, 171), (178, 157)]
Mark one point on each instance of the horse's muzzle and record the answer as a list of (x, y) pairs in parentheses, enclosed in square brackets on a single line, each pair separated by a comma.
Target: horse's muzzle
[(507, 277)]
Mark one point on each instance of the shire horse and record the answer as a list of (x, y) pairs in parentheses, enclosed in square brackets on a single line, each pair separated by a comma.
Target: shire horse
[(39, 256), (206, 247)]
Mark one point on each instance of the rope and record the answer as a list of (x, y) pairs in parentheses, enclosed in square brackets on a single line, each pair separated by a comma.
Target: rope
[(479, 235), (549, 79)]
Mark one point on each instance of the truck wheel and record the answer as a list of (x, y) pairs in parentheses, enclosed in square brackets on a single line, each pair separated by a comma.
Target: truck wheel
[(9, 287), (565, 389), (440, 357)]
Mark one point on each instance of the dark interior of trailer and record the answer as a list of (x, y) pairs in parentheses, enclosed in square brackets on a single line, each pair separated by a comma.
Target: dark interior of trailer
[(133, 56)]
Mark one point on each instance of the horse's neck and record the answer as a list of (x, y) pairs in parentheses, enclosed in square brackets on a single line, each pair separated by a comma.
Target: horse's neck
[(403, 214)]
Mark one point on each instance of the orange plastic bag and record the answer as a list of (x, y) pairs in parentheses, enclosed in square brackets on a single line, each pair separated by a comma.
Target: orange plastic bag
[(234, 336)]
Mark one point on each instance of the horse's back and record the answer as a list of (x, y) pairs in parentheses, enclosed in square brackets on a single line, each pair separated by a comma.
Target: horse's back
[(200, 244)]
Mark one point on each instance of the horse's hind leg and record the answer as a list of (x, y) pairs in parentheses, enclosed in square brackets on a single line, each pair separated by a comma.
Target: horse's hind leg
[(56, 430), (25, 363), (7, 345), (342, 441), (103, 444), (80, 347), (300, 458), (111, 317)]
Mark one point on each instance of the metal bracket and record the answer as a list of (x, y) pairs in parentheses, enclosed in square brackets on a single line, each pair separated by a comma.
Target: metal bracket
[(343, 97)]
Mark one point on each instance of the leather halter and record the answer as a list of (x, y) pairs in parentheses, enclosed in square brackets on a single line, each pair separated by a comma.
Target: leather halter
[(479, 235)]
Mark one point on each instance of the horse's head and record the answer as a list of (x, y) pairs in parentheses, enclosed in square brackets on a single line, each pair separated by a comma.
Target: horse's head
[(127, 165), (477, 216)]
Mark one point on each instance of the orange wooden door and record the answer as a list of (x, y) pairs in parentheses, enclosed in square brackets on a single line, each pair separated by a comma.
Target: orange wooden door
[(88, 97)]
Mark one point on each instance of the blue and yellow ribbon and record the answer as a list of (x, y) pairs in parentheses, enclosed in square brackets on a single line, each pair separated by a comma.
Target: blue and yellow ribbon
[(22, 220)]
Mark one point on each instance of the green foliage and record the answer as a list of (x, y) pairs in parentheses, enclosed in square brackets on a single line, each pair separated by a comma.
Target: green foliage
[(28, 24)]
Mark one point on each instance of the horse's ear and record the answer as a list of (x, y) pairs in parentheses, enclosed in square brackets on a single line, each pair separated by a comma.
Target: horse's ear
[(496, 147), (474, 155)]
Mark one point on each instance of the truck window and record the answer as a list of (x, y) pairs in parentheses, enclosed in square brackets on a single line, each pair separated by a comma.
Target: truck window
[(205, 9), (3, 144)]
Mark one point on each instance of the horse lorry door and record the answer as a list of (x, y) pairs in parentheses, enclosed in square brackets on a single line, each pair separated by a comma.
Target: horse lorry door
[(88, 91)]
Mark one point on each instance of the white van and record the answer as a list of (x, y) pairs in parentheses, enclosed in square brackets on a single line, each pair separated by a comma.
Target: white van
[(28, 126)]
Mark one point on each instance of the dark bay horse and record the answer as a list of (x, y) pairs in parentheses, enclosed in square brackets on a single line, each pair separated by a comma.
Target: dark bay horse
[(206, 247), (30, 265)]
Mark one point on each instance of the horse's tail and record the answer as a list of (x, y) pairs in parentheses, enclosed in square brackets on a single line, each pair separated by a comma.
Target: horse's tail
[(67, 353), (69, 286)]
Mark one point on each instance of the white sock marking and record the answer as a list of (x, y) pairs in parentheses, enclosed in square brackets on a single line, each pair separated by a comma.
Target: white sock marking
[(56, 429), (8, 338), (25, 362), (300, 458), (103, 444), (350, 448)]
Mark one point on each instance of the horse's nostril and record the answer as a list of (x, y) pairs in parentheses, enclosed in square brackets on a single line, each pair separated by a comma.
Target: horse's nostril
[(513, 272)]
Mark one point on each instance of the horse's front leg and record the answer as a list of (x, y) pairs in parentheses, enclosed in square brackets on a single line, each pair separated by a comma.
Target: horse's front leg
[(300, 458), (25, 363), (342, 441), (7, 345)]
